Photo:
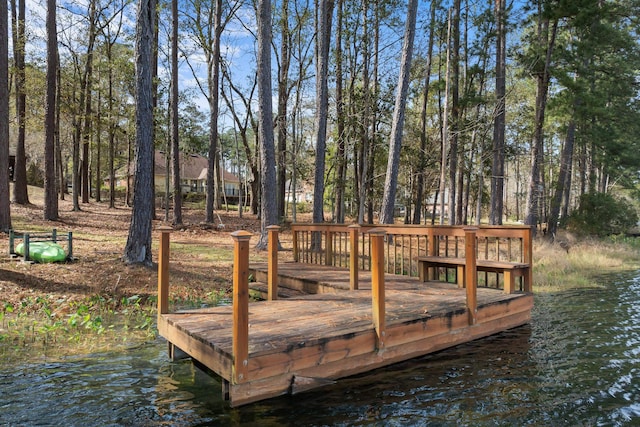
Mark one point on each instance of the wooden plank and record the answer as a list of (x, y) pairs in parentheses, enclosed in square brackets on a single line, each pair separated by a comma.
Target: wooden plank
[(301, 384)]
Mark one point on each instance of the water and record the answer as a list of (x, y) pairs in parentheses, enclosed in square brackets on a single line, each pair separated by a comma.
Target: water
[(577, 364)]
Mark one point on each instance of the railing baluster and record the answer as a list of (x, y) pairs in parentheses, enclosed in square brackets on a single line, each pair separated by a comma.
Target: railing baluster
[(354, 230)]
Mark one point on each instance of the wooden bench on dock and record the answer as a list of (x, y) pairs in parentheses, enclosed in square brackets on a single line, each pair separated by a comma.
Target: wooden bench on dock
[(510, 270)]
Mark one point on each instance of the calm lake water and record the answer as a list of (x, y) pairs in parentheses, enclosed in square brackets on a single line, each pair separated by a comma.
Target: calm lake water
[(577, 364)]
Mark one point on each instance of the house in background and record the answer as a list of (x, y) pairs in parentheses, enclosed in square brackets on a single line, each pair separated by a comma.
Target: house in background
[(193, 175)]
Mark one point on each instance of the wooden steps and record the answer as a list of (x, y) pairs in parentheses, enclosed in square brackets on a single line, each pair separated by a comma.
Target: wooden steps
[(260, 288)]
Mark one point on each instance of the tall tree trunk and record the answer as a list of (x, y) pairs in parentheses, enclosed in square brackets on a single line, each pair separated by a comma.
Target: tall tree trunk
[(268, 213), (50, 195), (60, 179), (213, 62), (455, 111), (339, 213), (535, 190), (283, 98), (424, 139), (75, 156), (88, 113), (98, 145), (20, 194), (563, 179), (154, 97), (373, 111), (175, 142), (497, 168), (138, 246), (5, 209), (445, 127), (391, 179), (363, 172), (112, 131), (323, 25)]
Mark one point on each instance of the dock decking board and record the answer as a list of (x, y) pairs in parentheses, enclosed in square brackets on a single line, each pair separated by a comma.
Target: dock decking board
[(331, 335)]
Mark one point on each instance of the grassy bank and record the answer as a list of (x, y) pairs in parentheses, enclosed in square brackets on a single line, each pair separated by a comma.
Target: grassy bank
[(580, 264)]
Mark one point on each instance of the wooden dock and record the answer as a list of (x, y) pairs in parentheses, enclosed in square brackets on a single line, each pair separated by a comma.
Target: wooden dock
[(289, 345)]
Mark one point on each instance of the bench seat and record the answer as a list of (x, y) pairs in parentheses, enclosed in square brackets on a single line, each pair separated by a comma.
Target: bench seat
[(510, 270)]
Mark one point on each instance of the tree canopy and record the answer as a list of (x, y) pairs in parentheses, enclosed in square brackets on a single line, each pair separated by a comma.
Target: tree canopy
[(511, 111)]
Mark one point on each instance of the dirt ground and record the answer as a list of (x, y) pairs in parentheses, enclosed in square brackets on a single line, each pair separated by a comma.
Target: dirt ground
[(200, 259)]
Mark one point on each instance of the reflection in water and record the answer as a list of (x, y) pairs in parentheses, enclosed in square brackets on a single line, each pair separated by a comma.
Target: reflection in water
[(576, 364)]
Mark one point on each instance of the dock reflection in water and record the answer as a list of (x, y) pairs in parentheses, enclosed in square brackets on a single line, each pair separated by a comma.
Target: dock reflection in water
[(576, 364)]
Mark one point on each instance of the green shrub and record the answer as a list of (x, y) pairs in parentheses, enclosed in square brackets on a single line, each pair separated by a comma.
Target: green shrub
[(194, 197), (602, 214), (303, 207)]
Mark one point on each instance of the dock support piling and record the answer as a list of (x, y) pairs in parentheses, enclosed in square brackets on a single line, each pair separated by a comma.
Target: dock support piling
[(240, 334), (272, 263), (471, 273), (354, 230), (377, 285)]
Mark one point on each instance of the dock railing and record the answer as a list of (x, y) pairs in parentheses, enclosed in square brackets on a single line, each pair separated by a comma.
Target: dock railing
[(349, 246), (376, 243)]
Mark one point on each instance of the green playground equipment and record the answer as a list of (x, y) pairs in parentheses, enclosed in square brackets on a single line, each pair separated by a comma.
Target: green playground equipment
[(41, 247)]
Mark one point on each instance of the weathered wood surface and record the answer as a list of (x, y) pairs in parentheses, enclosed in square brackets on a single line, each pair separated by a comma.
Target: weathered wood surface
[(331, 335)]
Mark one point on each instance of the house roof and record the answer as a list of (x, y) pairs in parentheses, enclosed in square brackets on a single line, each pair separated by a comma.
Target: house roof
[(192, 166)]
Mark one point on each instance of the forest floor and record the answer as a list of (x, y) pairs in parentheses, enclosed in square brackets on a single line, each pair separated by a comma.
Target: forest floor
[(200, 260)]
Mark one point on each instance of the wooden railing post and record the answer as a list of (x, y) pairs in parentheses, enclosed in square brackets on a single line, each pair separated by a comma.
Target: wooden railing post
[(528, 258), (272, 264), (377, 285), (470, 273), (163, 271), (328, 248), (296, 251), (240, 334), (433, 250), (354, 232)]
